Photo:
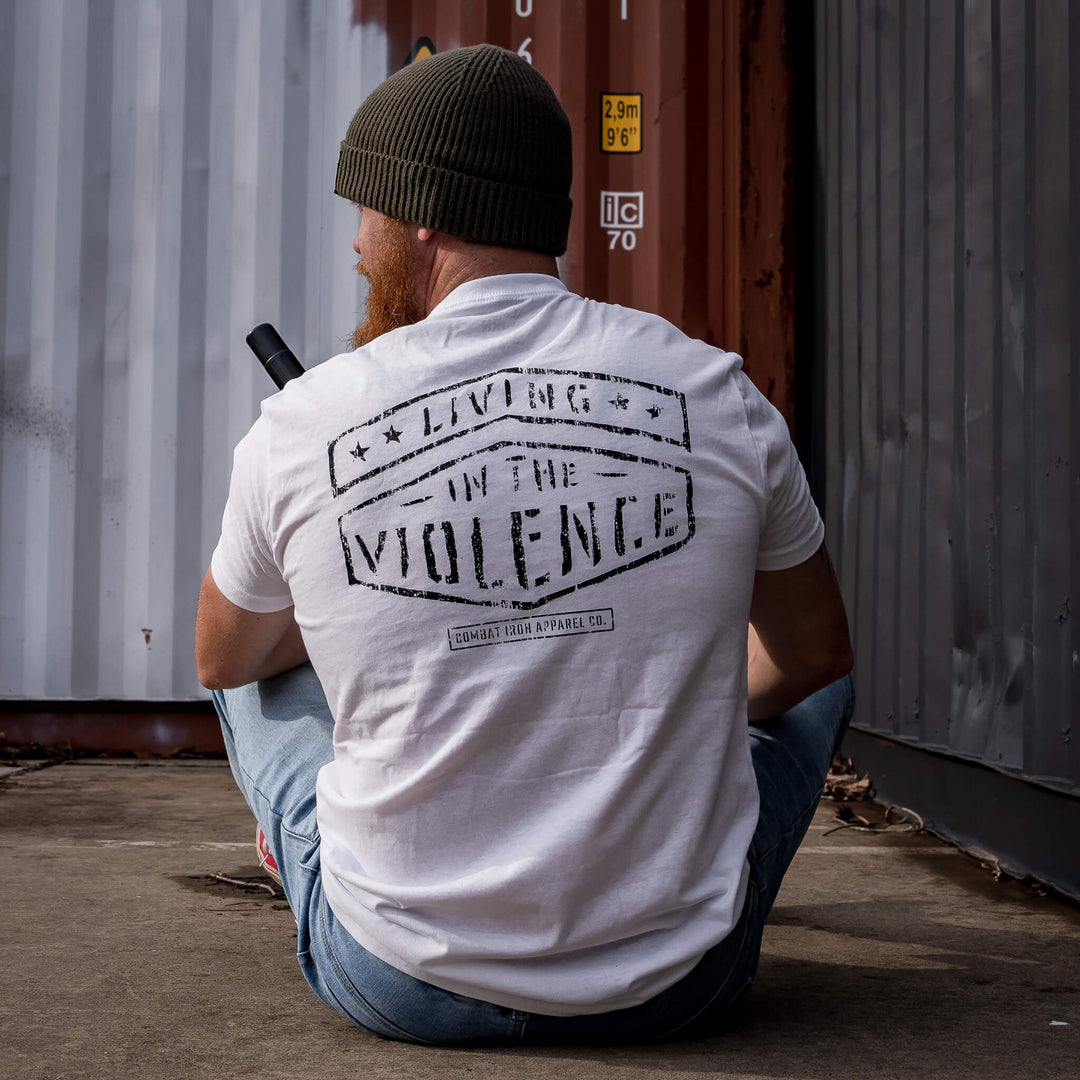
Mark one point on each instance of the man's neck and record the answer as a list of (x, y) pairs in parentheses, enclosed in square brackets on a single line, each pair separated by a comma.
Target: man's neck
[(452, 262)]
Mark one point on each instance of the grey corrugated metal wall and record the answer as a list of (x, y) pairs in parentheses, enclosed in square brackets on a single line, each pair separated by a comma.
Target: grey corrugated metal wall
[(166, 174), (949, 159)]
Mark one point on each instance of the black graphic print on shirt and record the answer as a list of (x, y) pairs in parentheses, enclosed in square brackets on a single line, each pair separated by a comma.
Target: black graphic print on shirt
[(531, 513)]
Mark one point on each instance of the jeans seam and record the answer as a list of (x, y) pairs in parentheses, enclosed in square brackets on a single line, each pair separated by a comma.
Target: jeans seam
[(300, 836), (751, 889), (519, 1018), (347, 983), (277, 813), (761, 856)]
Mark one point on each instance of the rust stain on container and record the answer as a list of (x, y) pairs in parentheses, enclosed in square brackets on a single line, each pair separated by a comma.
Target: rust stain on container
[(146, 729), (683, 153)]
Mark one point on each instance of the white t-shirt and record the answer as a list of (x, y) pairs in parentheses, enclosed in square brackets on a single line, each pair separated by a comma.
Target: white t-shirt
[(520, 538)]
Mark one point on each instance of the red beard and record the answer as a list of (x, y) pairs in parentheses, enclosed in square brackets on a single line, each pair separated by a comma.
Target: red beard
[(391, 300)]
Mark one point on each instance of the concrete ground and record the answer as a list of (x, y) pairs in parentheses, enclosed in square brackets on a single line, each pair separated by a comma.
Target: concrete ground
[(124, 954)]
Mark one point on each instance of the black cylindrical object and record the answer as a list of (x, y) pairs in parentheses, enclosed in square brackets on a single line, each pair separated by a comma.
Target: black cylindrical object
[(274, 355)]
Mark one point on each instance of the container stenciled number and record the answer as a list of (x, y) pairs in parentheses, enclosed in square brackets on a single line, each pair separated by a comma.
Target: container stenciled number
[(621, 215)]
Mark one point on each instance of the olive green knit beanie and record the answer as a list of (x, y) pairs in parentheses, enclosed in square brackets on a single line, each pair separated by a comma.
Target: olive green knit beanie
[(470, 142)]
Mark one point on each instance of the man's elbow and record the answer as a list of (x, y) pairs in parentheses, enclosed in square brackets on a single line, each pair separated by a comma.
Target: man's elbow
[(835, 663), (213, 674), (215, 666), (213, 682), (844, 663)]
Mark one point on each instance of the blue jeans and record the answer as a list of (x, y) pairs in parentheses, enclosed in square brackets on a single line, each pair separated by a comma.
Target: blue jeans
[(278, 734)]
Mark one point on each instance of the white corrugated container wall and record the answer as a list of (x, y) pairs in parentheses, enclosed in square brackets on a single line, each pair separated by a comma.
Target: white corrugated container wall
[(166, 176)]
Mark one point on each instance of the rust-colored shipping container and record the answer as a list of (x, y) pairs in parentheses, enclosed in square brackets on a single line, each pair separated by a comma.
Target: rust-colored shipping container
[(683, 151)]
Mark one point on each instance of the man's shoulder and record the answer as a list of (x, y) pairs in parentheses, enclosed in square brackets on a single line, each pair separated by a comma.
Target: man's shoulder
[(313, 394)]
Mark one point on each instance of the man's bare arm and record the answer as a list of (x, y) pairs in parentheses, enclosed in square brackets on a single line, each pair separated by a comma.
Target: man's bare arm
[(799, 638), (234, 646)]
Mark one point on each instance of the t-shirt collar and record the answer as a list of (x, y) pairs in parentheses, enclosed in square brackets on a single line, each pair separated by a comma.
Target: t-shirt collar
[(498, 287)]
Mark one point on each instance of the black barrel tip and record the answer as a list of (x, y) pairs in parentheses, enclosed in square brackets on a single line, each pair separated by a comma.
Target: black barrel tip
[(264, 341)]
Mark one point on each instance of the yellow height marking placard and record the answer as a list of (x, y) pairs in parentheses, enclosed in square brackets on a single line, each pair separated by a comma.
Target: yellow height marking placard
[(620, 123)]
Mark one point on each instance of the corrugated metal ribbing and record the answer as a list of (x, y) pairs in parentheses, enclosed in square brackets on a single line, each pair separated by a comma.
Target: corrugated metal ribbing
[(683, 207), (166, 174), (949, 160)]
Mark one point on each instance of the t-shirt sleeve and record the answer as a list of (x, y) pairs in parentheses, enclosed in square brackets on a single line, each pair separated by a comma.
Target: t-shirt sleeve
[(792, 529), (243, 564)]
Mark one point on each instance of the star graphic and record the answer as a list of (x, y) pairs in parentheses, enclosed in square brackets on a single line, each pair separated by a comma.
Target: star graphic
[(359, 451), (619, 401), (393, 435), (653, 411)]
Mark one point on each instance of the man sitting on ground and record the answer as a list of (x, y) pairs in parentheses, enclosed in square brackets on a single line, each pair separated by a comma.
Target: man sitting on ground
[(547, 557)]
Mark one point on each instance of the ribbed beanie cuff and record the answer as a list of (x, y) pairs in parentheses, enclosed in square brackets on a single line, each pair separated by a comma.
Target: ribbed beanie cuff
[(472, 143)]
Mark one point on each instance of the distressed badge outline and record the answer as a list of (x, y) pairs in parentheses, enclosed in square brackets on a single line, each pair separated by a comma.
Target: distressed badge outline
[(348, 465), (501, 601)]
